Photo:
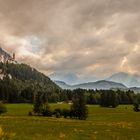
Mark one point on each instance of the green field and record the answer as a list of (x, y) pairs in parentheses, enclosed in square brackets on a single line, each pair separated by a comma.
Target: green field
[(102, 124)]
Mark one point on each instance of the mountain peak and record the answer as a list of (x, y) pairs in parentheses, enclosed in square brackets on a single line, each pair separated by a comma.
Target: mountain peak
[(128, 79)]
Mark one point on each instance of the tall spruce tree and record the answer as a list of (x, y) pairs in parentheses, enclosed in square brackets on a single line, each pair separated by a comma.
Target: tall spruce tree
[(38, 105)]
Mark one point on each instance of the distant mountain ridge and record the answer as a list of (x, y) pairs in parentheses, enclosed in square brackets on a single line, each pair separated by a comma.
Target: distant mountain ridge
[(103, 84), (127, 79), (63, 85), (130, 80), (72, 79)]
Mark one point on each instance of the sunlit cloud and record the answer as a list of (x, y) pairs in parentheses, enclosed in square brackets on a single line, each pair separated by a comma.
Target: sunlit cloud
[(136, 48)]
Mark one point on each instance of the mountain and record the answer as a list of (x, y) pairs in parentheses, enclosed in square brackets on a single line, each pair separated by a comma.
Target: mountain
[(63, 85), (20, 83), (101, 85), (72, 78), (27, 75), (24, 72), (69, 78), (127, 79), (130, 80), (93, 85)]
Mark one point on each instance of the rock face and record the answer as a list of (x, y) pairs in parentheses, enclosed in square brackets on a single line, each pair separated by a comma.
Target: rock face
[(5, 57)]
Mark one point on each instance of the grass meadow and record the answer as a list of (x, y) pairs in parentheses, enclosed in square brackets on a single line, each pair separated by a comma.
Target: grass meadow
[(121, 123)]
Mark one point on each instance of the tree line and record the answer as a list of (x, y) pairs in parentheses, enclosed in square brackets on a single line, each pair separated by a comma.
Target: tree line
[(17, 91)]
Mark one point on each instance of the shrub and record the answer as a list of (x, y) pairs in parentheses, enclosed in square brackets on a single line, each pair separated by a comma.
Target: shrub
[(57, 115), (136, 107), (47, 113), (30, 113), (59, 111), (66, 113), (46, 110)]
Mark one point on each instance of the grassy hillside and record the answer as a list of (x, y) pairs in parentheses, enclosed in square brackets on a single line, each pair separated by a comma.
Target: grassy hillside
[(103, 124)]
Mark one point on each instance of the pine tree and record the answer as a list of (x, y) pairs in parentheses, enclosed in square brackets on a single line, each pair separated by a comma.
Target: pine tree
[(38, 105)]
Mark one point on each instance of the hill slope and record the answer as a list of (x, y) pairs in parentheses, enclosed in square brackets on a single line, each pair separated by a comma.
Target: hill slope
[(23, 72), (21, 82)]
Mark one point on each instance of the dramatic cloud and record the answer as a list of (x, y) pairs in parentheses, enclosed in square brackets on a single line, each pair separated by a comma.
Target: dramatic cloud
[(86, 38)]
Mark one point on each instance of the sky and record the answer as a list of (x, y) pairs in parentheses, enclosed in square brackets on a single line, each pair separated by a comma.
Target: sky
[(87, 38)]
